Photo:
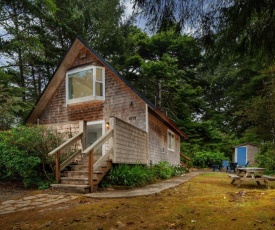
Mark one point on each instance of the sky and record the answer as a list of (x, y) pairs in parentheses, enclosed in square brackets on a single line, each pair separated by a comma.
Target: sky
[(128, 11)]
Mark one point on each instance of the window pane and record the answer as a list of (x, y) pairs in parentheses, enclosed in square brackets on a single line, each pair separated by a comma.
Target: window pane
[(99, 74), (171, 141), (99, 89), (81, 84)]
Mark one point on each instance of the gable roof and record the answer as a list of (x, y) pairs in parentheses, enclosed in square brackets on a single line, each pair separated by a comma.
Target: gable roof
[(65, 64)]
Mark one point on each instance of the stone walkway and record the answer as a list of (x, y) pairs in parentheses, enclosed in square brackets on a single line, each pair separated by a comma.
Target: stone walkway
[(46, 200), (31, 202)]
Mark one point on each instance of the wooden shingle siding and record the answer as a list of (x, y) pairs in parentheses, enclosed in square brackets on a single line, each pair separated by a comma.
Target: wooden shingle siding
[(123, 103), (120, 101), (251, 154), (66, 131), (130, 144), (69, 128), (158, 148)]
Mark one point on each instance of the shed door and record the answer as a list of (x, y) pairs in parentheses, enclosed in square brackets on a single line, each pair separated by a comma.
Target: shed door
[(241, 156)]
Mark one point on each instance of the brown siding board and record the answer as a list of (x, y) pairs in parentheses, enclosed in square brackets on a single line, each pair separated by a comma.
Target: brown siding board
[(158, 142)]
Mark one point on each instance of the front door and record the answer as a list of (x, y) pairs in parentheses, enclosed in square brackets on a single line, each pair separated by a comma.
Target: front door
[(94, 132), (241, 156)]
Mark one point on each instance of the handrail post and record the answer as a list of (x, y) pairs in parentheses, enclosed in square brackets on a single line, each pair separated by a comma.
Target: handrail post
[(91, 169), (83, 128), (57, 167)]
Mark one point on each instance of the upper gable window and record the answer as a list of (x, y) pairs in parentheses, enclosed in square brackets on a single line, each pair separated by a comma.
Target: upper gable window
[(85, 84)]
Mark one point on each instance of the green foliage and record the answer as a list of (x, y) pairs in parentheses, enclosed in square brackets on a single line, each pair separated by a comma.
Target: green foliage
[(23, 153), (138, 175), (130, 175), (205, 159), (266, 157), (163, 170)]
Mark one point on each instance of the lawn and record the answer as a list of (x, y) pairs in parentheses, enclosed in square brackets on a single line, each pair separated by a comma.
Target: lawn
[(207, 201)]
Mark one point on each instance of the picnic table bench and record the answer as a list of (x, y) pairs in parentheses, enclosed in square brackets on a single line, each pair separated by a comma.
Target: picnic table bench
[(234, 177), (250, 174), (271, 178)]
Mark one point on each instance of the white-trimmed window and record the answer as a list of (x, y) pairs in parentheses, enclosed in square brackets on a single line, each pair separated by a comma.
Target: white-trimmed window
[(85, 84), (171, 141)]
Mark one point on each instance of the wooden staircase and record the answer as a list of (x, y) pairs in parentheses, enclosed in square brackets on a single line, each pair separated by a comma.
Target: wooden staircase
[(77, 178), (88, 166)]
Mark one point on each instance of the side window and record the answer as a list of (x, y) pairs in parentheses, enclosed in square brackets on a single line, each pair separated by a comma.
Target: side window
[(85, 84), (171, 141)]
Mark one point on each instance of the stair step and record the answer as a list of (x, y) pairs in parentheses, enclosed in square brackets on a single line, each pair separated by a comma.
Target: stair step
[(77, 177), (75, 181), (72, 187), (77, 174), (79, 167)]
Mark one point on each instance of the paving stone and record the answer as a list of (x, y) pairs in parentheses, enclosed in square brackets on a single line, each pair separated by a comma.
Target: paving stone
[(21, 205), (29, 198), (36, 203), (9, 202), (53, 196), (27, 208), (49, 200), (57, 202), (7, 212), (42, 195), (10, 208), (45, 205), (42, 199)]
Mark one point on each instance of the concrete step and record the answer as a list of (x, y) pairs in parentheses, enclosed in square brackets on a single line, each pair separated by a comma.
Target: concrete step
[(72, 188), (75, 181)]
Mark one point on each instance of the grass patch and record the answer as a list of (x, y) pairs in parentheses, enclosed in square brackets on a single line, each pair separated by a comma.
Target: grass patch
[(207, 201)]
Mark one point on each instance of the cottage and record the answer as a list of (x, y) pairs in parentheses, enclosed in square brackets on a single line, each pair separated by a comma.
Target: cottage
[(244, 153), (113, 122)]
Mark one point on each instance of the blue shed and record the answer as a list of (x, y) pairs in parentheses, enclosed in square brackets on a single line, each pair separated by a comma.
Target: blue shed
[(244, 153)]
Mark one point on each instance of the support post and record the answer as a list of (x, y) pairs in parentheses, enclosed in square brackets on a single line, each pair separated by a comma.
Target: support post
[(83, 128), (112, 144), (57, 167), (91, 169)]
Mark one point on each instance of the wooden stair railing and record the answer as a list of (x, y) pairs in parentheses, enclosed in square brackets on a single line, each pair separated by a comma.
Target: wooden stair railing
[(90, 152), (187, 164), (57, 152)]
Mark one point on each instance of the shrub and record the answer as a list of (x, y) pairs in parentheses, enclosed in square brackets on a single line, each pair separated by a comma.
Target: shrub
[(205, 159), (24, 154), (137, 175), (162, 170), (130, 175), (266, 157)]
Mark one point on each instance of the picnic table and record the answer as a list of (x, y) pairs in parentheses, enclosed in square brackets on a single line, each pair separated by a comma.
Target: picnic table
[(250, 174)]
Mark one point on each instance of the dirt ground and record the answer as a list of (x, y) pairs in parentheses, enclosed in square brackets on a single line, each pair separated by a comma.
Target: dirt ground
[(207, 201), (12, 191)]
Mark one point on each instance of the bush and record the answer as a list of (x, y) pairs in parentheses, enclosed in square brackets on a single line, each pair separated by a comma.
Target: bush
[(162, 170), (205, 159), (266, 157), (24, 154), (137, 175), (130, 175)]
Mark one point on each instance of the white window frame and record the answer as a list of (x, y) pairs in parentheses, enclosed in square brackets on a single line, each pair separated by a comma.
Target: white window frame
[(86, 98), (173, 144)]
